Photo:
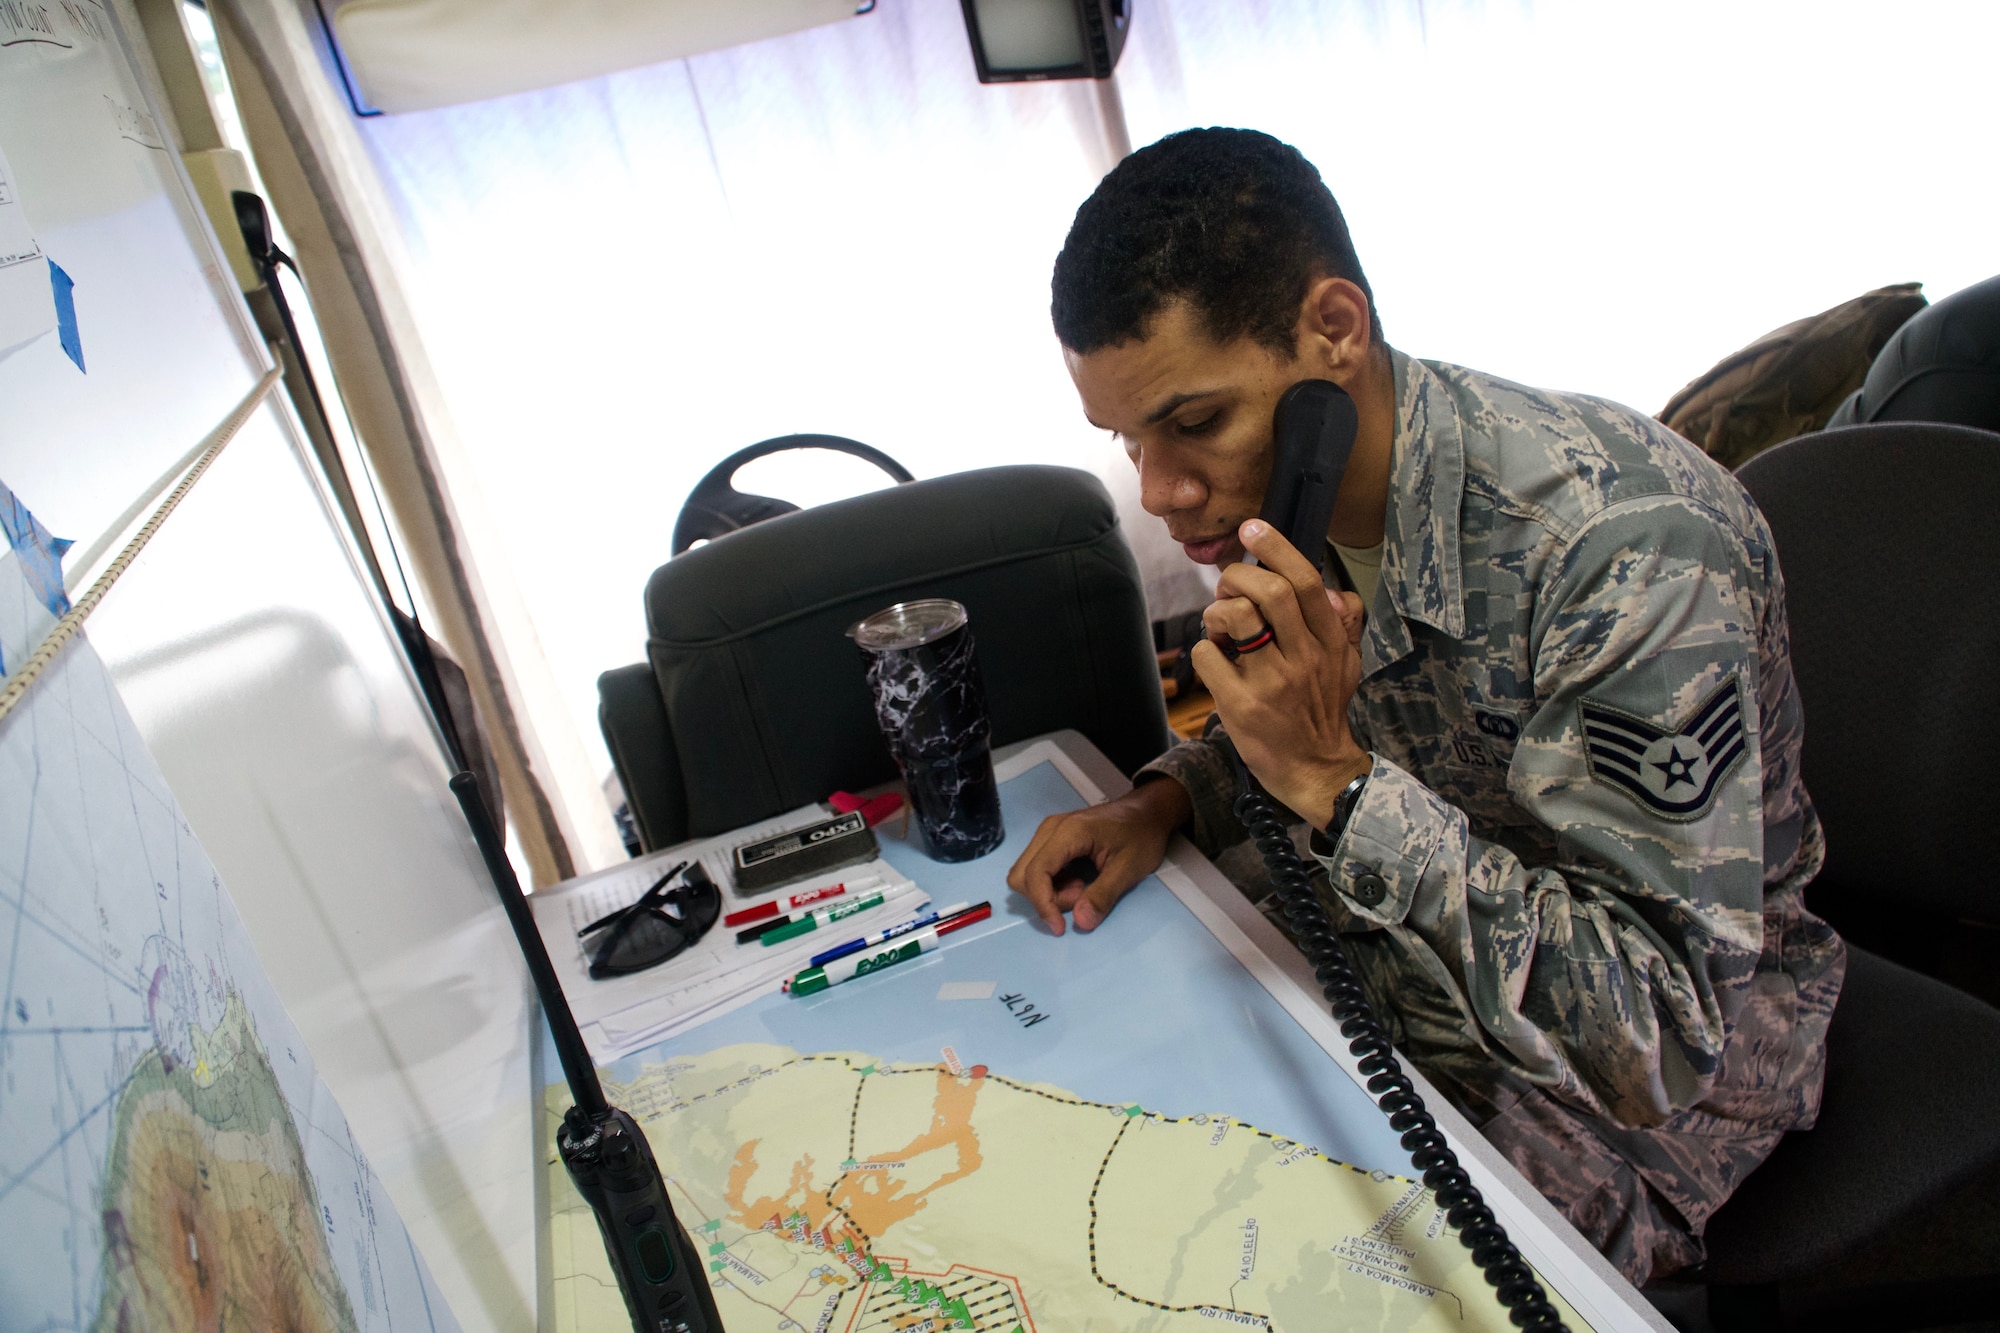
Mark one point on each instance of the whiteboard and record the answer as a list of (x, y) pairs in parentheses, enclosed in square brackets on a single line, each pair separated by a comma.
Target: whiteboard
[(259, 672)]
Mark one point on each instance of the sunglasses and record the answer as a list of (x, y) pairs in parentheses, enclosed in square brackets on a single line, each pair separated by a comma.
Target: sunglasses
[(660, 925)]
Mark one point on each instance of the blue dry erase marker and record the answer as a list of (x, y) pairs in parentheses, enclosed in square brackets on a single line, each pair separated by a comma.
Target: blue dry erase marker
[(881, 936), (915, 945)]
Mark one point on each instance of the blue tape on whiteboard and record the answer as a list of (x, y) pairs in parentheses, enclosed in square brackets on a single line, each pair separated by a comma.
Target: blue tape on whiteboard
[(66, 312), (40, 554)]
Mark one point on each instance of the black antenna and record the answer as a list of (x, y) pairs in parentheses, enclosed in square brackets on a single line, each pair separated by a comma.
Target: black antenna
[(660, 1273), (576, 1062)]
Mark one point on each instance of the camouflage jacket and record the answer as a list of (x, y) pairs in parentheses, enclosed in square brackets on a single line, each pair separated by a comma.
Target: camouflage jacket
[(1579, 860)]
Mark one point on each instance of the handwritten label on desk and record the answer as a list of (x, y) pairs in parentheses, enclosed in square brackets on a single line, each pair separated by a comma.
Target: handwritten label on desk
[(1023, 1009)]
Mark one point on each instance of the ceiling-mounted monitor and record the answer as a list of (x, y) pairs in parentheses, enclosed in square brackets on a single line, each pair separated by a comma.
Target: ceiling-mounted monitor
[(1018, 40)]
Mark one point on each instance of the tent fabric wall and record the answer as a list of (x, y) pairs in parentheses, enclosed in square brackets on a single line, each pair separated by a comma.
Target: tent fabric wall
[(749, 220), (621, 280), (379, 361)]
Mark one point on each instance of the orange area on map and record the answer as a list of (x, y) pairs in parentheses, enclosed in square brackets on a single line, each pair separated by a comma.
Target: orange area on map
[(769, 1213), (799, 1195), (865, 1204), (878, 1200), (871, 1201)]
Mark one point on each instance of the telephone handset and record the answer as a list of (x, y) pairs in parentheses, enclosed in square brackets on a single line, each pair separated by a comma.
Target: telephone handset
[(1312, 435)]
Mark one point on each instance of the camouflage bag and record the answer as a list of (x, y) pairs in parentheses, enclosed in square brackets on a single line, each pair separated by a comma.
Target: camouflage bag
[(1789, 381)]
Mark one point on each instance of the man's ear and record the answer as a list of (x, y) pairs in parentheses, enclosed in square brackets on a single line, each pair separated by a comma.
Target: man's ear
[(1335, 331)]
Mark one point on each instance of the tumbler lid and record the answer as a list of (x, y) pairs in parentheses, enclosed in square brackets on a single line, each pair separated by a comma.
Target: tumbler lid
[(908, 624)]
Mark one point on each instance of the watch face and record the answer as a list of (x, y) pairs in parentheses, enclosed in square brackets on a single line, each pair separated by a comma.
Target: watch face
[(1343, 805)]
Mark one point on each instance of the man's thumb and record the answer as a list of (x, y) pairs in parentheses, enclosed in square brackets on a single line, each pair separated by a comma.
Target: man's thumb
[(1352, 614), (1097, 901)]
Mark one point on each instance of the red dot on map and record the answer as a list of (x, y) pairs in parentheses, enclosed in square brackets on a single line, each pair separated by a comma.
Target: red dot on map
[(977, 1071)]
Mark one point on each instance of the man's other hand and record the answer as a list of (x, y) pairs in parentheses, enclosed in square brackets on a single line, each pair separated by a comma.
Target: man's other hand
[(1124, 839), (1285, 704)]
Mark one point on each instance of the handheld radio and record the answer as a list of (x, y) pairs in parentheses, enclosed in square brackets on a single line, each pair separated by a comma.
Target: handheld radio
[(1313, 434), (660, 1274)]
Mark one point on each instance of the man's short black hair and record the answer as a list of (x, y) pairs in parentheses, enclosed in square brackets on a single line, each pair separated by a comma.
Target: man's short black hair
[(1234, 222)]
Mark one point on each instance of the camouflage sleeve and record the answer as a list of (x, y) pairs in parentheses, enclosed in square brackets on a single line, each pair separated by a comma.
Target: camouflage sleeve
[(1612, 976), (1204, 768)]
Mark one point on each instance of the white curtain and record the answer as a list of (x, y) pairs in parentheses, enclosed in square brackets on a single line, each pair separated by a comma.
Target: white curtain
[(1609, 195), (622, 280)]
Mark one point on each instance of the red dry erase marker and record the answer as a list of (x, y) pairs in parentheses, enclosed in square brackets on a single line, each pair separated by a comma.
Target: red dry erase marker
[(749, 914), (960, 920), (797, 900)]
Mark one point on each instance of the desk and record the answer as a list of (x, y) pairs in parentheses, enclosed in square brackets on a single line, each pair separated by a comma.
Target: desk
[(1152, 1125)]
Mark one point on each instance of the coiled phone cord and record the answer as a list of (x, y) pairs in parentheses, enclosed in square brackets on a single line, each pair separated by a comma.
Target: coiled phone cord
[(1514, 1281)]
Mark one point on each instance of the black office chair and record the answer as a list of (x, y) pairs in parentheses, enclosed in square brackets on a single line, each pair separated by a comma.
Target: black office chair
[(1942, 365), (1886, 537), (753, 700)]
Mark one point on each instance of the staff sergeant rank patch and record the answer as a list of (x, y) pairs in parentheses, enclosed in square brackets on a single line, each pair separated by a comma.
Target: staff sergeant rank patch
[(1676, 773)]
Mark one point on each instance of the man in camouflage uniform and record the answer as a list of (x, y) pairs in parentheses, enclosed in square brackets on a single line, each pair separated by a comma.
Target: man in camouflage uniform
[(1551, 767)]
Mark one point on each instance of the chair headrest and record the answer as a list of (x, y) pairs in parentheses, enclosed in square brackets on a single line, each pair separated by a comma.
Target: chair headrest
[(715, 507), (1942, 365), (801, 563)]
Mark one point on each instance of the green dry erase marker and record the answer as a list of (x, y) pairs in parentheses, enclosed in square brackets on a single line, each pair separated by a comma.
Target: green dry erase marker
[(815, 979), (812, 921)]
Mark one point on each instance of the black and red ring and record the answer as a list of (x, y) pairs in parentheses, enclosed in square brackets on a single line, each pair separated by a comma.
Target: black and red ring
[(1261, 639)]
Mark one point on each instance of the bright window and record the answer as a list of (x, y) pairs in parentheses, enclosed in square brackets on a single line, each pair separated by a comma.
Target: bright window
[(620, 281)]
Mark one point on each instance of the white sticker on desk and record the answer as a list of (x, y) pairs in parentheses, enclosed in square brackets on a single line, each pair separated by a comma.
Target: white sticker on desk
[(967, 990)]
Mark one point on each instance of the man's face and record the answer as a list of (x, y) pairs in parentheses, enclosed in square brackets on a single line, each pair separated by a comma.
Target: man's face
[(1195, 419)]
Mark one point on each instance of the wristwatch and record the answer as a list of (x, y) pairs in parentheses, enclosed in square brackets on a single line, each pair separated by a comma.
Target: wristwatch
[(1343, 808)]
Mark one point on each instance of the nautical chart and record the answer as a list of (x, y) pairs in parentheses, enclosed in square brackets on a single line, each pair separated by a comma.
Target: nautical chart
[(1009, 1135), (168, 1156)]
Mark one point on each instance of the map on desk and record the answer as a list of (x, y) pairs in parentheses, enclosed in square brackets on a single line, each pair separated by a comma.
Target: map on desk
[(1022, 1133)]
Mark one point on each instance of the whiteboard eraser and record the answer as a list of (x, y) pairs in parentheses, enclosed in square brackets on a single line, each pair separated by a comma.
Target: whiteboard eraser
[(786, 858)]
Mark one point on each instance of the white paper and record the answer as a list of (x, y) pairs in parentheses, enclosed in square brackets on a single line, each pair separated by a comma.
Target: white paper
[(622, 1014), (27, 301)]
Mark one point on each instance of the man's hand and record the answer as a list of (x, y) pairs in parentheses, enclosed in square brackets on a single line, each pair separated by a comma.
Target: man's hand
[(1125, 840), (1286, 704)]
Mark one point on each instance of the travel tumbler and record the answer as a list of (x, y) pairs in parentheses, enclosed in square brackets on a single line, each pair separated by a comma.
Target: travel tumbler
[(931, 705)]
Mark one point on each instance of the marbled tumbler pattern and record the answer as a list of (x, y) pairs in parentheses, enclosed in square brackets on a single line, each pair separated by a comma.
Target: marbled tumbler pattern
[(931, 704)]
